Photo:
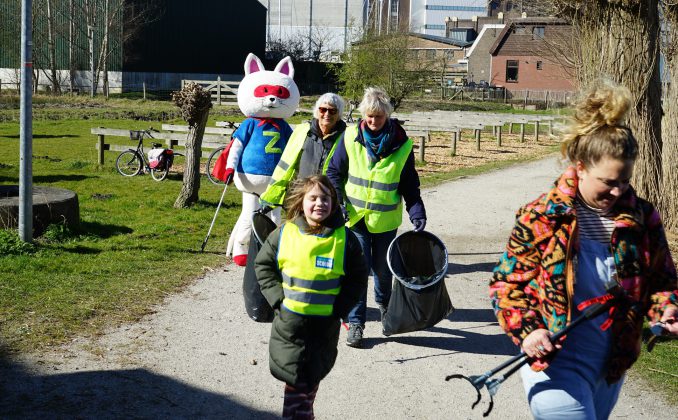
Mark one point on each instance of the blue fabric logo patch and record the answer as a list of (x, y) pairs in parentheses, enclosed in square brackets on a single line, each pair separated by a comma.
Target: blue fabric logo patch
[(324, 262)]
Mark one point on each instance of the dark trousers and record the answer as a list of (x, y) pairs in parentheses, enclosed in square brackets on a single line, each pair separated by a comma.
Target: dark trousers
[(298, 403), (375, 248)]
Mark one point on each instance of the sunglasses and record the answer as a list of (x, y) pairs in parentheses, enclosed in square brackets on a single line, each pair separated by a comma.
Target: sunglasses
[(323, 110)]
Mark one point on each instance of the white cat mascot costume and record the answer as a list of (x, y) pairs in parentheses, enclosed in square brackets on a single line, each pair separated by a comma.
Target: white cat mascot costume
[(265, 97)]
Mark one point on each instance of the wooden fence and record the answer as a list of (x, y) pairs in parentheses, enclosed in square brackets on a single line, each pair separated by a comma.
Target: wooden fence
[(223, 93), (542, 98), (421, 124)]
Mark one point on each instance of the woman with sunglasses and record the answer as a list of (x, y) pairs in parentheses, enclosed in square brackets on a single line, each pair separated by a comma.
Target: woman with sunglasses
[(308, 150)]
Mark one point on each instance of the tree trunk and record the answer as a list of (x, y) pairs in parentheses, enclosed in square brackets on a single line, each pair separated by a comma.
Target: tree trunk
[(51, 45), (191, 185), (195, 103), (668, 206), (620, 40), (71, 45), (104, 55)]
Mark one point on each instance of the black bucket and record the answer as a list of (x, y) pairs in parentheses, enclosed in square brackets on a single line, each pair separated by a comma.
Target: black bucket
[(255, 303), (418, 260)]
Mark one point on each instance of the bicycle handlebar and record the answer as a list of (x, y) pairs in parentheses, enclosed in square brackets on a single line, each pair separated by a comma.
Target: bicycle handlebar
[(140, 134)]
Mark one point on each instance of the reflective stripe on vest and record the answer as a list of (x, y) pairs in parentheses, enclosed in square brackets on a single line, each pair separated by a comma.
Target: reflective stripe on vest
[(287, 166), (372, 192), (312, 267)]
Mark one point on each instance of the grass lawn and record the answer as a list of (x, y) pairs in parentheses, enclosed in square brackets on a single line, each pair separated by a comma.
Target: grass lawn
[(133, 248)]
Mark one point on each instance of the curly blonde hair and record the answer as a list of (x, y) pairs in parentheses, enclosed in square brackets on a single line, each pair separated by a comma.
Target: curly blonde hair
[(597, 129)]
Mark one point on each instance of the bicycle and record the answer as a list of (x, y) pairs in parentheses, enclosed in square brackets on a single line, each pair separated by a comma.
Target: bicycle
[(214, 156), (352, 105), (133, 162), (211, 161)]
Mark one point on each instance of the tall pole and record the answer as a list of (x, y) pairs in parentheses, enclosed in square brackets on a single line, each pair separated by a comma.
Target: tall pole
[(90, 32), (381, 9), (310, 29), (268, 25), (345, 25), (26, 130), (388, 18), (280, 22)]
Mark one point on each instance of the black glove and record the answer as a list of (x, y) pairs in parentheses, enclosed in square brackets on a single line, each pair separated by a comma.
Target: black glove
[(344, 213), (419, 224)]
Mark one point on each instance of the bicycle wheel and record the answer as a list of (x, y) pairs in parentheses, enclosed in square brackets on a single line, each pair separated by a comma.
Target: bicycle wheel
[(160, 174), (211, 161), (129, 163)]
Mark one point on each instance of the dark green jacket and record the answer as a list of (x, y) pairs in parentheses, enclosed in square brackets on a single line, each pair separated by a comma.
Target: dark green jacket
[(303, 349)]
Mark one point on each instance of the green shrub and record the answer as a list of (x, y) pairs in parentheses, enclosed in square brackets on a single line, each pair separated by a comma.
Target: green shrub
[(78, 164), (11, 244), (58, 232)]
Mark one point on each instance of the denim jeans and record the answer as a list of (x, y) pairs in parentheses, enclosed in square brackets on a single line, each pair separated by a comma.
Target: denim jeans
[(573, 387), (375, 246)]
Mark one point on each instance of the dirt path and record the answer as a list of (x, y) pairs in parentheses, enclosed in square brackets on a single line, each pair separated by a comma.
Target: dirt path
[(200, 356)]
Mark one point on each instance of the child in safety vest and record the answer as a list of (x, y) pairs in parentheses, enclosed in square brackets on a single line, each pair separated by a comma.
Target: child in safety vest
[(312, 275)]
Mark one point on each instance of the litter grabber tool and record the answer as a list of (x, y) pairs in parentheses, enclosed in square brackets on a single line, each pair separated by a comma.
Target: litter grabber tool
[(488, 380), (221, 200)]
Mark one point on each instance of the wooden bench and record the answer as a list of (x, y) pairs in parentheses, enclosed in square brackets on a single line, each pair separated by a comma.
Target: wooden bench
[(171, 139), (235, 125)]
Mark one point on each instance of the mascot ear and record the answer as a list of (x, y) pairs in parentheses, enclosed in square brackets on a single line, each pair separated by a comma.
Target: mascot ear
[(253, 64), (285, 67)]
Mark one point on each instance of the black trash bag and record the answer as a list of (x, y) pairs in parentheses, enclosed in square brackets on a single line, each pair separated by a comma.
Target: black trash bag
[(255, 303), (418, 261)]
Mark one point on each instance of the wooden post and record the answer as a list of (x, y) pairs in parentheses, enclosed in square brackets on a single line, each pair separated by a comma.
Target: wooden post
[(527, 92), (547, 100), (504, 95), (453, 152), (522, 132), (477, 133), (143, 85), (536, 130), (0, 86), (550, 127), (101, 149), (218, 90), (498, 134), (422, 146), (510, 128)]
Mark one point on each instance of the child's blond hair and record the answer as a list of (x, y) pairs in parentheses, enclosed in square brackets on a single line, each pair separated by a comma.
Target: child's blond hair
[(294, 201)]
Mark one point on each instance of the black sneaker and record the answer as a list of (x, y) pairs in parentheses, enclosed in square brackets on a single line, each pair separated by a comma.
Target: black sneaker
[(355, 335)]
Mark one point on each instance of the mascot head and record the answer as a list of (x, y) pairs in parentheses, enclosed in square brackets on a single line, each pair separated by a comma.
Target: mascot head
[(268, 94)]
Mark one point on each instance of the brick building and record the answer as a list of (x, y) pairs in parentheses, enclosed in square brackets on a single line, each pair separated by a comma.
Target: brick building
[(532, 53)]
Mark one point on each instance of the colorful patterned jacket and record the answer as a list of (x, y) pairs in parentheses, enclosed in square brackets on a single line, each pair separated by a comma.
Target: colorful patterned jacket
[(532, 286)]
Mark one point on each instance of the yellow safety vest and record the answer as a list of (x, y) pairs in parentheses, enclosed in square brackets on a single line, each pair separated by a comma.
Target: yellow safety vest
[(287, 166), (312, 268), (372, 191)]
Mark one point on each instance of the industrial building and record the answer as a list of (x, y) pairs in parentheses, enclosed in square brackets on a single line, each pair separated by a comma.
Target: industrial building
[(332, 23), (179, 40)]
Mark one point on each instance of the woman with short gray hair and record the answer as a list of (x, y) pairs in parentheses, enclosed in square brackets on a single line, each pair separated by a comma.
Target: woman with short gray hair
[(373, 171), (308, 150)]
